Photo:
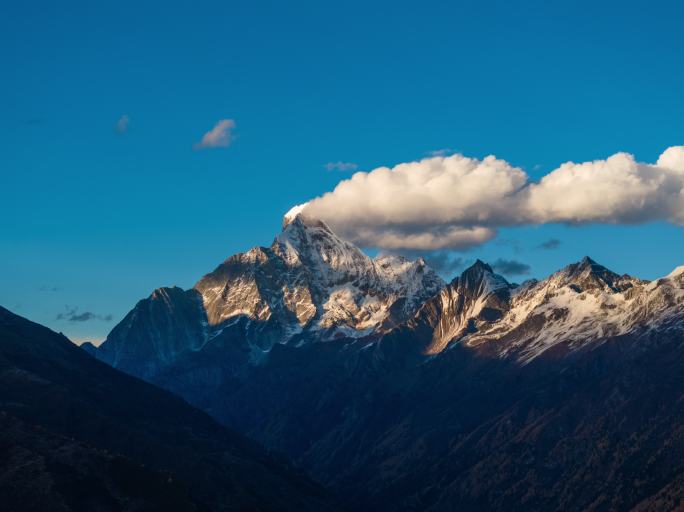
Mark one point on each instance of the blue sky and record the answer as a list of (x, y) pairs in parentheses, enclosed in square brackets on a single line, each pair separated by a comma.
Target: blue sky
[(94, 219)]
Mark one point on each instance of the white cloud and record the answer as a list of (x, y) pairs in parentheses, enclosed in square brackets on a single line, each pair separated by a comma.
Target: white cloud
[(618, 190), (220, 136), (341, 166), (459, 202), (121, 125), (672, 158), (433, 238)]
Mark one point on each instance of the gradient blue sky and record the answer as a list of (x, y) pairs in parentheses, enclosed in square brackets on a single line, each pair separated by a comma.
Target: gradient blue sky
[(93, 220)]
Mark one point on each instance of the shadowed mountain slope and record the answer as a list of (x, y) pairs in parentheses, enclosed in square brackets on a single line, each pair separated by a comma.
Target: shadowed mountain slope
[(81, 412)]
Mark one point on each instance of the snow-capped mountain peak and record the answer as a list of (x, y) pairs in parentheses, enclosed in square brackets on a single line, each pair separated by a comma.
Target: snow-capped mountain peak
[(311, 243), (312, 281), (475, 298), (480, 280), (587, 274), (293, 213), (582, 304)]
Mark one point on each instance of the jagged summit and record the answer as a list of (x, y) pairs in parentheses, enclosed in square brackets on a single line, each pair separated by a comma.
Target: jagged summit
[(480, 266), (480, 280), (475, 298), (587, 274), (311, 242), (586, 264), (476, 270), (293, 213)]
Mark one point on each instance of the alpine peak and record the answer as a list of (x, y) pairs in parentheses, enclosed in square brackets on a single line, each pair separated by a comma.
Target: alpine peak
[(479, 267), (293, 213), (587, 274), (479, 279)]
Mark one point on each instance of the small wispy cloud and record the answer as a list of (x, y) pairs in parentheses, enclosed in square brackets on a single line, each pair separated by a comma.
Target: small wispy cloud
[(46, 288), (511, 267), (121, 125), (220, 136), (441, 152), (341, 166), (550, 244), (73, 315)]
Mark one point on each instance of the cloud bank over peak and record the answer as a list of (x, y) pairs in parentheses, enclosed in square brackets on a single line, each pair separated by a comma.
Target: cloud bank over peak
[(459, 202)]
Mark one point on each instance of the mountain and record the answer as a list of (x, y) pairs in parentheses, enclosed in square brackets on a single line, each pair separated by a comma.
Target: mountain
[(579, 306), (398, 392), (309, 285), (475, 299), (77, 434), (169, 322)]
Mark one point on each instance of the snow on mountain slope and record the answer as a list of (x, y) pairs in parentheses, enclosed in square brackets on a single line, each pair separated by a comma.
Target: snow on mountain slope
[(580, 305), (473, 300)]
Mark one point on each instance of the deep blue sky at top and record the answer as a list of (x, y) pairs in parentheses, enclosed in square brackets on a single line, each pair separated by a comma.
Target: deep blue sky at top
[(94, 220)]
